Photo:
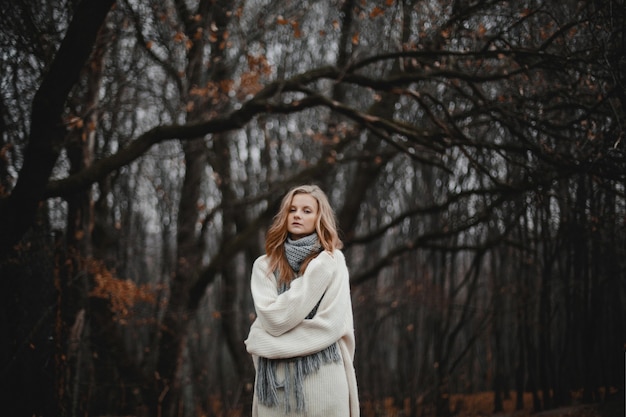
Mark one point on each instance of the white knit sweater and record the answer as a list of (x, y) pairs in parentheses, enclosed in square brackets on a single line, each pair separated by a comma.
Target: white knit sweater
[(281, 331)]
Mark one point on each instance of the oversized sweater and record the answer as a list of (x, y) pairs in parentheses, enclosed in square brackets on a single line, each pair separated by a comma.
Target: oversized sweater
[(280, 330)]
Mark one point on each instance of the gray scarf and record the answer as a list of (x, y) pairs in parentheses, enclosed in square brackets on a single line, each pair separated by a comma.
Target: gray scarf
[(267, 383)]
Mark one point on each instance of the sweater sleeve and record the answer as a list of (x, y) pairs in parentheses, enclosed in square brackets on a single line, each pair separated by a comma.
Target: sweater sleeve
[(279, 313), (333, 321)]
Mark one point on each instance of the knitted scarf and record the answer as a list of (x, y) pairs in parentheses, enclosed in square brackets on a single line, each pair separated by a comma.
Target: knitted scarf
[(267, 383)]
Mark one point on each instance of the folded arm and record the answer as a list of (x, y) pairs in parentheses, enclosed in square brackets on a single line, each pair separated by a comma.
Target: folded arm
[(279, 313), (332, 321)]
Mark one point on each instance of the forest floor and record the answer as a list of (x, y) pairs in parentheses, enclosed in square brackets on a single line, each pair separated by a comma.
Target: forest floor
[(481, 405)]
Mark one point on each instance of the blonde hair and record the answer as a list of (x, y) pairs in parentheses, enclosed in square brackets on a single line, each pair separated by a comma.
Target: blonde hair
[(325, 226)]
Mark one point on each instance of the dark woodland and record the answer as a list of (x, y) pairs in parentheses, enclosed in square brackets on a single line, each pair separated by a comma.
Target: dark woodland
[(474, 152)]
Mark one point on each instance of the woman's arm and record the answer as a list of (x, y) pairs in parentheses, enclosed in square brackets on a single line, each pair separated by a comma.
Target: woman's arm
[(332, 321), (279, 313)]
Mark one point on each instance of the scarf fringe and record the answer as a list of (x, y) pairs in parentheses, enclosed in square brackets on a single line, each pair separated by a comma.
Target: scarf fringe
[(268, 386)]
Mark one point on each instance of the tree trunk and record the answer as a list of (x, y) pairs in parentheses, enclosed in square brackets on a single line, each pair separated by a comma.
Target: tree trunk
[(190, 248), (166, 398), (28, 293)]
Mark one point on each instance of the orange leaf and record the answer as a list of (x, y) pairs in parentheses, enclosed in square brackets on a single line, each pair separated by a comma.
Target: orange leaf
[(281, 20), (226, 85), (355, 39), (121, 294), (376, 11), (179, 36), (296, 29)]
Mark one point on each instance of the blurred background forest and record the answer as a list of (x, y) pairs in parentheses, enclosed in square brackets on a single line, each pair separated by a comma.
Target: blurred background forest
[(474, 151)]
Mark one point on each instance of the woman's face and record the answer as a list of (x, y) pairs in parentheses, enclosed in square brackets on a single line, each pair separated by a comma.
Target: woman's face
[(302, 216)]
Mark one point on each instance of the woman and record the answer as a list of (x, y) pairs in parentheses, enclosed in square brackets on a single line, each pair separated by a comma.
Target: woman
[(302, 341)]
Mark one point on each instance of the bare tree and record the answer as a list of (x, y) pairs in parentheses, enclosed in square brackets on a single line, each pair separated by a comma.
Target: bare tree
[(474, 152)]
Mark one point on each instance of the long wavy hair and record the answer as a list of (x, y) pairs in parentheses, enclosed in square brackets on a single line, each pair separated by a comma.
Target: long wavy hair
[(325, 227)]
